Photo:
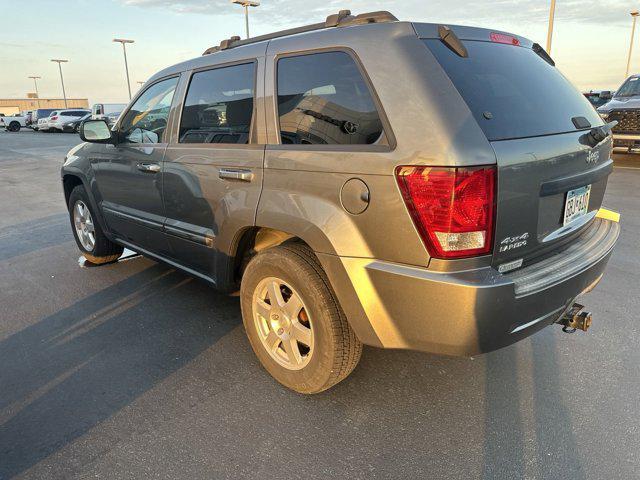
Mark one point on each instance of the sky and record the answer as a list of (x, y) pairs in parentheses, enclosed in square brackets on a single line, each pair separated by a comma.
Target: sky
[(590, 41)]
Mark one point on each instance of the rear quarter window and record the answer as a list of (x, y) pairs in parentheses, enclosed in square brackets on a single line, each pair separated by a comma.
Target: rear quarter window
[(323, 99), (522, 94)]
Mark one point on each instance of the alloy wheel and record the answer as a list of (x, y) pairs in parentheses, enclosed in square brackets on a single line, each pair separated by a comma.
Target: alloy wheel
[(84, 226), (283, 323)]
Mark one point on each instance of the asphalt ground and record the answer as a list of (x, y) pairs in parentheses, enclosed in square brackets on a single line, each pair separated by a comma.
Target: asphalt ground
[(135, 370)]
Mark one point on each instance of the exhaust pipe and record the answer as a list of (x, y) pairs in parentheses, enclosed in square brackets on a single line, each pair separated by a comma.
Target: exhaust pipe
[(575, 319)]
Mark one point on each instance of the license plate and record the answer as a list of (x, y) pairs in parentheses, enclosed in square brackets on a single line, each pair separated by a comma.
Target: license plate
[(577, 203)]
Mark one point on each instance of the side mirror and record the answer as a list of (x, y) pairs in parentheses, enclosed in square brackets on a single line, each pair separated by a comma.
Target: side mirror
[(96, 131)]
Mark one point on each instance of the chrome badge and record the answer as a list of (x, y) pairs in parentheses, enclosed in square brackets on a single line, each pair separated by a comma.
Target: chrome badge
[(593, 156)]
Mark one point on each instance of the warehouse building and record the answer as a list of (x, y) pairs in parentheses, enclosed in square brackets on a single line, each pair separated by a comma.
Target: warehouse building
[(13, 106)]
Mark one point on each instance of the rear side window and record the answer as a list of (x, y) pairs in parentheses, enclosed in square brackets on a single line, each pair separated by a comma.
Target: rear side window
[(219, 106), (522, 95), (323, 99)]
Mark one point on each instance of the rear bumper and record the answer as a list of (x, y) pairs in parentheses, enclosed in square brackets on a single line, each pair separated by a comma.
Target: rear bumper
[(471, 312)]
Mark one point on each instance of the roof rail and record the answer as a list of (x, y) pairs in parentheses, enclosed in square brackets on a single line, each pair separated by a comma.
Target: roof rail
[(342, 19)]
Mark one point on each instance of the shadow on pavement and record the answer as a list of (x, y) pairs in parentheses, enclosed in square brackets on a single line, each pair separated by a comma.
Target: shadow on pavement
[(74, 369), (34, 235)]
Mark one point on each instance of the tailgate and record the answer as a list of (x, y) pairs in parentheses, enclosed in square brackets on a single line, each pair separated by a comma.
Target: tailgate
[(551, 174), (535, 176)]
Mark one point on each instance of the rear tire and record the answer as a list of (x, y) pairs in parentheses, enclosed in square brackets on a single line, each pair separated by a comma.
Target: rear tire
[(88, 233), (325, 348), (14, 127)]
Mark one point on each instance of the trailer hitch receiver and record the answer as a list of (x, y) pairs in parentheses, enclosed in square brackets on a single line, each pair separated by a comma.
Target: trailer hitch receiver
[(575, 319)]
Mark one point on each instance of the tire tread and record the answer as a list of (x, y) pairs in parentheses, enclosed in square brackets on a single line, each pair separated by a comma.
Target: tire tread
[(349, 347)]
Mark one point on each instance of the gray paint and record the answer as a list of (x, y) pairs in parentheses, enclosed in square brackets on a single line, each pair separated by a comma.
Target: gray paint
[(394, 294)]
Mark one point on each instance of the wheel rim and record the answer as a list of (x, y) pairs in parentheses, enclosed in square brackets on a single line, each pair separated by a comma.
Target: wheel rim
[(283, 323), (83, 223)]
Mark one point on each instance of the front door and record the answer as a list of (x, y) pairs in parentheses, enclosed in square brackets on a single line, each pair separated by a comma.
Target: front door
[(129, 177), (213, 170)]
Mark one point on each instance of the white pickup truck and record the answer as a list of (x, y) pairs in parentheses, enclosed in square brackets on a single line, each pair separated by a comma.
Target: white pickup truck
[(13, 124)]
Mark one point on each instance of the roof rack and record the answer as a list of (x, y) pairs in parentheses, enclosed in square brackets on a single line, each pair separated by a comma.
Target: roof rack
[(341, 19)]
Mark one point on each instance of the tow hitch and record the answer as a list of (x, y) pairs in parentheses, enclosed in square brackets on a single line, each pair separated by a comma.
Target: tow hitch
[(575, 319)]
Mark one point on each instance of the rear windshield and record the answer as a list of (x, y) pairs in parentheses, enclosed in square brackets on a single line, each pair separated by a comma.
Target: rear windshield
[(522, 95)]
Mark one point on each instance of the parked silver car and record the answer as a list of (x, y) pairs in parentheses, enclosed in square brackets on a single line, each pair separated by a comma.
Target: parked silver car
[(361, 181)]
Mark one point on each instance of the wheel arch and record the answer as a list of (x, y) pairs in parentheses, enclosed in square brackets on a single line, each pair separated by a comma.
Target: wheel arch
[(250, 241), (254, 239), (70, 180)]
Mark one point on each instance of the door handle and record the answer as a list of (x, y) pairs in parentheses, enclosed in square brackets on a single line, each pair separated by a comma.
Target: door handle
[(149, 167), (236, 174)]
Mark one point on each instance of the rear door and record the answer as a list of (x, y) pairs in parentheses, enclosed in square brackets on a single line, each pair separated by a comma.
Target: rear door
[(551, 177), (213, 167)]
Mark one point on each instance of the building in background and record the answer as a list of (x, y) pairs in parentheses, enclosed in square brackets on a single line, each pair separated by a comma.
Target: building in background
[(13, 106)]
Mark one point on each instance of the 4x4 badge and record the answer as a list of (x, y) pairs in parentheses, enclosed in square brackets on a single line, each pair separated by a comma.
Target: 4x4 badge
[(593, 156)]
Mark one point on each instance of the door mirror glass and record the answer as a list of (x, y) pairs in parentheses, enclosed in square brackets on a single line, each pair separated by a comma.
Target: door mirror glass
[(96, 131)]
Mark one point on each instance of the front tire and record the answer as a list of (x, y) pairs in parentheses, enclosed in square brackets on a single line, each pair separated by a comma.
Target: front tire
[(294, 322), (88, 233)]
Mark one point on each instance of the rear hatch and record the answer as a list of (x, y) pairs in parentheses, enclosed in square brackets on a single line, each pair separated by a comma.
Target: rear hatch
[(551, 177)]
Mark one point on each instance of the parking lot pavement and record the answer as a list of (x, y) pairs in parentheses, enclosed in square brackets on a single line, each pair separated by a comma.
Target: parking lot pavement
[(134, 370)]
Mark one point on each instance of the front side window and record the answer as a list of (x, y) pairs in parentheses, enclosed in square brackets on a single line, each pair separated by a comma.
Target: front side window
[(323, 99), (146, 120), (219, 106)]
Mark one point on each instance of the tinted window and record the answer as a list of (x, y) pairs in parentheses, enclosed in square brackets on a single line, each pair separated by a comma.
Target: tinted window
[(630, 88), (525, 96), (323, 99), (74, 113), (219, 106), (146, 121)]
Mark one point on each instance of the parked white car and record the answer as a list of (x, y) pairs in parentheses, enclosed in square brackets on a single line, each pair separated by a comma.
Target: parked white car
[(57, 119), (13, 123), (43, 123)]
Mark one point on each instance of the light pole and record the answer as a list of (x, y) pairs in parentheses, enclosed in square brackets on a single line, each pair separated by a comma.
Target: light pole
[(124, 41), (552, 13), (246, 4), (634, 14), (35, 83), (60, 62)]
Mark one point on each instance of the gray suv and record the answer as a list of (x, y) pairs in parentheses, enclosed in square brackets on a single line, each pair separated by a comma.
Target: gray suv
[(360, 181)]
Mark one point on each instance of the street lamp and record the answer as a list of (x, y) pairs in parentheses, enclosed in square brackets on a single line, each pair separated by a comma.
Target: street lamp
[(634, 14), (35, 83), (60, 62), (124, 41), (246, 4), (552, 13)]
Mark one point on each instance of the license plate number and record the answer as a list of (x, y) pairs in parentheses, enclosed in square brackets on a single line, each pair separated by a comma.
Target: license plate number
[(577, 203)]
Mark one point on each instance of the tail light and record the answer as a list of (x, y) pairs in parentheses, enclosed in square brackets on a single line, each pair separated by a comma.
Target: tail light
[(54, 118), (452, 208)]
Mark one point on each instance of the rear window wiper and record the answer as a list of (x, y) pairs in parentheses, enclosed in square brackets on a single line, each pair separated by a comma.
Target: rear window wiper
[(452, 41)]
